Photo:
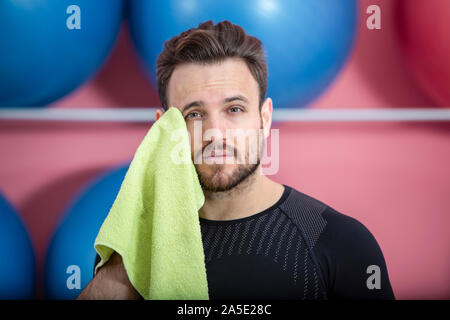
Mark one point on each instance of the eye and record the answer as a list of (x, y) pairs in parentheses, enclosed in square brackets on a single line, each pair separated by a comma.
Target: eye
[(189, 115), (239, 109)]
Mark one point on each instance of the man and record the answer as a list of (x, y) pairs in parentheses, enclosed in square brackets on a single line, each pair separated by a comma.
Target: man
[(261, 239)]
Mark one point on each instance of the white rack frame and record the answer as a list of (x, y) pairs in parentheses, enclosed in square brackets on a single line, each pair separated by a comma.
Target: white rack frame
[(282, 115)]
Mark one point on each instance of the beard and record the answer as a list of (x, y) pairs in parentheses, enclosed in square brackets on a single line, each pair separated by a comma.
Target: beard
[(220, 181), (215, 177)]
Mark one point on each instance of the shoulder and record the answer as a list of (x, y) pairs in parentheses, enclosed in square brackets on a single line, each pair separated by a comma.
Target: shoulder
[(305, 212), (315, 218), (342, 246)]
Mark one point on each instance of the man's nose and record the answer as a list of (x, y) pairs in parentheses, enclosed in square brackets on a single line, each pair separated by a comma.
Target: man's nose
[(213, 126)]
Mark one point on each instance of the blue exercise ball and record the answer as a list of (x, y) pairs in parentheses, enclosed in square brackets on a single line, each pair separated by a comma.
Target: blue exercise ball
[(48, 47), (17, 260), (69, 263), (307, 42)]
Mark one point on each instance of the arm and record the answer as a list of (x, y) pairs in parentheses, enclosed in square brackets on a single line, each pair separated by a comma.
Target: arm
[(110, 283)]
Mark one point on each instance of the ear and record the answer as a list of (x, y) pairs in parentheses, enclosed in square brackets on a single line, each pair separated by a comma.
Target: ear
[(266, 115), (158, 114)]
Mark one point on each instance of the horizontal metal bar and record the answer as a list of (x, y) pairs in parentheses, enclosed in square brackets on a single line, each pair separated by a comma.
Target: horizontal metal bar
[(362, 115), (82, 114), (283, 115)]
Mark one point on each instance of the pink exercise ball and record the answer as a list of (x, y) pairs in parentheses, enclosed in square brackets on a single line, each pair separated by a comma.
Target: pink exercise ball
[(424, 35)]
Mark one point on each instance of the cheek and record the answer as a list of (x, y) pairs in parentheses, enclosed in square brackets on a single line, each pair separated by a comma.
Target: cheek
[(195, 137)]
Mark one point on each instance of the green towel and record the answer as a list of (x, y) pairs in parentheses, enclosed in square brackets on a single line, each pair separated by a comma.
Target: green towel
[(154, 223)]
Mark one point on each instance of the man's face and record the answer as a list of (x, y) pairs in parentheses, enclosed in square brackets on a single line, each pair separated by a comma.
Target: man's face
[(217, 98)]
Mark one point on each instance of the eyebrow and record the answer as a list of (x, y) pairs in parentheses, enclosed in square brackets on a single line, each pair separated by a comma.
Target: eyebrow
[(200, 103)]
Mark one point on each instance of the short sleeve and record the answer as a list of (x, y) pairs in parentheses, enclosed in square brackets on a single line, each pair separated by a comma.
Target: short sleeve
[(97, 260), (351, 261)]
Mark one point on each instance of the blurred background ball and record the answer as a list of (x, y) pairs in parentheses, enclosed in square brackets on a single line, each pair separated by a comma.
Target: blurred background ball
[(41, 59), (424, 33), (17, 260), (69, 263), (306, 42)]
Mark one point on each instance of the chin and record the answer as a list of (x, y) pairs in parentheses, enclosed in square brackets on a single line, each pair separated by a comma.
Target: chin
[(223, 177), (214, 177)]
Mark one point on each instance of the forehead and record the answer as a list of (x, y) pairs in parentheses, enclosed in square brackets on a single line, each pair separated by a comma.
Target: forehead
[(212, 80)]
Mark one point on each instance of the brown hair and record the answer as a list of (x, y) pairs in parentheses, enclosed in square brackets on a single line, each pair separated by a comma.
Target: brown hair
[(209, 43)]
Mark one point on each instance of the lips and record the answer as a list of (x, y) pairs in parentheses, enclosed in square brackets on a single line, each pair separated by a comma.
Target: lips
[(219, 154)]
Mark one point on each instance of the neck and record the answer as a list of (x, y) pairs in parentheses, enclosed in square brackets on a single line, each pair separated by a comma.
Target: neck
[(251, 196)]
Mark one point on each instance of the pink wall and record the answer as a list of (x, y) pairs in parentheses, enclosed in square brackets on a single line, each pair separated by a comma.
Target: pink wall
[(393, 177)]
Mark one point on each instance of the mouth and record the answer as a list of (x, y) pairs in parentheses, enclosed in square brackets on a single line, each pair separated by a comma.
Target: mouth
[(219, 156)]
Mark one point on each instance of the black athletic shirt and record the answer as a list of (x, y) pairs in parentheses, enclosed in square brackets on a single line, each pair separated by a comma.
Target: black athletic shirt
[(299, 248)]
